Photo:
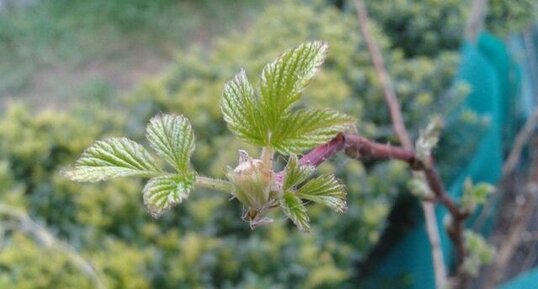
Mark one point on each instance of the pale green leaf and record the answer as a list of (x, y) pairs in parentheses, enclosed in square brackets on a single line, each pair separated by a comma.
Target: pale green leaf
[(110, 158), (283, 80), (419, 187), (294, 209), (163, 192), (267, 119), (239, 107), (172, 137), (326, 190), (475, 194), (295, 174), (305, 129), (428, 139), (480, 253)]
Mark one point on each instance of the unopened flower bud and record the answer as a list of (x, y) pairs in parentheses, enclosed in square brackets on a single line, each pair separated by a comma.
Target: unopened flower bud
[(252, 180)]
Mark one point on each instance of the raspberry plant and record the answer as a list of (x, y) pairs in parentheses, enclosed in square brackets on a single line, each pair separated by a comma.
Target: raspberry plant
[(266, 116)]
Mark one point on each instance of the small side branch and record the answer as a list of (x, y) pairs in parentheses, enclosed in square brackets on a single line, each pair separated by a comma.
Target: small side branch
[(399, 128), (519, 223), (379, 66), (522, 139), (43, 236), (525, 202), (360, 148), (475, 22)]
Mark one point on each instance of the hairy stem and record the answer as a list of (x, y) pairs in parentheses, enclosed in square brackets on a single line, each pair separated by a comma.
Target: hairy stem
[(323, 152), (267, 156), (214, 184), (358, 147)]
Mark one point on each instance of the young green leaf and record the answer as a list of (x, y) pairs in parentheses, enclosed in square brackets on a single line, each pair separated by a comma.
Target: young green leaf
[(110, 158), (283, 80), (295, 210), (305, 129), (172, 137), (480, 253), (326, 190), (475, 194), (239, 107), (295, 174), (267, 119), (419, 187), (163, 192), (428, 139)]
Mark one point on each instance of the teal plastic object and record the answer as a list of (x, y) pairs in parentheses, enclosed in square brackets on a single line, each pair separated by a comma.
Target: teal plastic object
[(485, 68), (509, 85)]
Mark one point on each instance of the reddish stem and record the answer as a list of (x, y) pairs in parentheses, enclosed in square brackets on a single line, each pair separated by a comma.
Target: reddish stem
[(358, 147), (323, 152)]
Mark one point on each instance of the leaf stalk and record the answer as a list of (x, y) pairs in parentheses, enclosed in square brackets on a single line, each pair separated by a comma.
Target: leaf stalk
[(214, 184)]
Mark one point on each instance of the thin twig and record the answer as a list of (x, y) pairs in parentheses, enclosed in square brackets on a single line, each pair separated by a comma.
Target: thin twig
[(511, 162), (43, 236), (475, 22), (360, 148), (522, 139), (513, 238), (379, 66), (524, 208), (530, 237), (401, 131)]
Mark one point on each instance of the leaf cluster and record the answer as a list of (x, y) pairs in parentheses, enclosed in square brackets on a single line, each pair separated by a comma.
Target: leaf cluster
[(170, 136), (475, 194), (480, 253), (324, 189), (264, 118)]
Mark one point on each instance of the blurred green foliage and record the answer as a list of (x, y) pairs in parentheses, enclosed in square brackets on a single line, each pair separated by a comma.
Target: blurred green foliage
[(202, 243), (67, 34), (508, 16), (425, 27)]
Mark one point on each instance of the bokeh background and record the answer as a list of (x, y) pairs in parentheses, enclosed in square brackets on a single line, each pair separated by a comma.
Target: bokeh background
[(74, 71)]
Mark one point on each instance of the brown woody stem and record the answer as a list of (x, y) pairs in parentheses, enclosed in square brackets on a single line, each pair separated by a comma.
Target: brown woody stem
[(398, 124), (358, 147)]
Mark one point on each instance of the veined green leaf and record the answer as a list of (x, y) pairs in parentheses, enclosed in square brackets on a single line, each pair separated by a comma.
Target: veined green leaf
[(172, 137), (428, 139), (480, 253), (475, 194), (163, 192), (110, 158), (283, 80), (267, 119), (326, 190), (295, 174), (239, 106), (295, 210), (305, 129)]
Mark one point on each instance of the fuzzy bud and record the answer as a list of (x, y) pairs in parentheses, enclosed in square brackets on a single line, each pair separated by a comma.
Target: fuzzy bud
[(252, 180)]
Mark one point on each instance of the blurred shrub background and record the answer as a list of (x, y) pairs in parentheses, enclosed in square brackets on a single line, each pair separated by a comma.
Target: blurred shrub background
[(72, 72)]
